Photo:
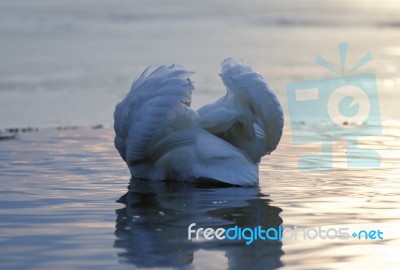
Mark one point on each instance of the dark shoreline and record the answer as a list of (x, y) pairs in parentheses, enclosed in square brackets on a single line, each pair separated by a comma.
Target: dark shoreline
[(13, 133)]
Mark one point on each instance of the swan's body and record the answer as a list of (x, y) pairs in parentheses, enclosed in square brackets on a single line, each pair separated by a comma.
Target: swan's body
[(161, 138)]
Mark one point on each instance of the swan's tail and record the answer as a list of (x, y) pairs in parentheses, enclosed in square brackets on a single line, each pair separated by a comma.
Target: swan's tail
[(150, 107)]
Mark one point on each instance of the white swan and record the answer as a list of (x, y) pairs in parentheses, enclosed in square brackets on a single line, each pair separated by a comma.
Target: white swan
[(160, 137)]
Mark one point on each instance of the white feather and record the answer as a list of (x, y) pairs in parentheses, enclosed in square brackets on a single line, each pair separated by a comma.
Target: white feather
[(161, 138), (256, 127)]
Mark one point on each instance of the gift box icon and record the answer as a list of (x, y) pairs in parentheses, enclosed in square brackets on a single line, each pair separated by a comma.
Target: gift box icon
[(344, 107)]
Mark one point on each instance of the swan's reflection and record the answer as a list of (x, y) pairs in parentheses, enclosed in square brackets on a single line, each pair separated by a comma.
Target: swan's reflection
[(152, 228)]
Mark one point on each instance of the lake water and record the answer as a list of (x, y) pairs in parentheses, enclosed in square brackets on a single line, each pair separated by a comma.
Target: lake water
[(58, 210), (67, 63)]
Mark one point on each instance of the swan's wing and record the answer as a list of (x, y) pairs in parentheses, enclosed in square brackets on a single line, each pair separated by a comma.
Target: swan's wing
[(249, 116), (217, 118), (150, 106), (251, 91), (222, 161)]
